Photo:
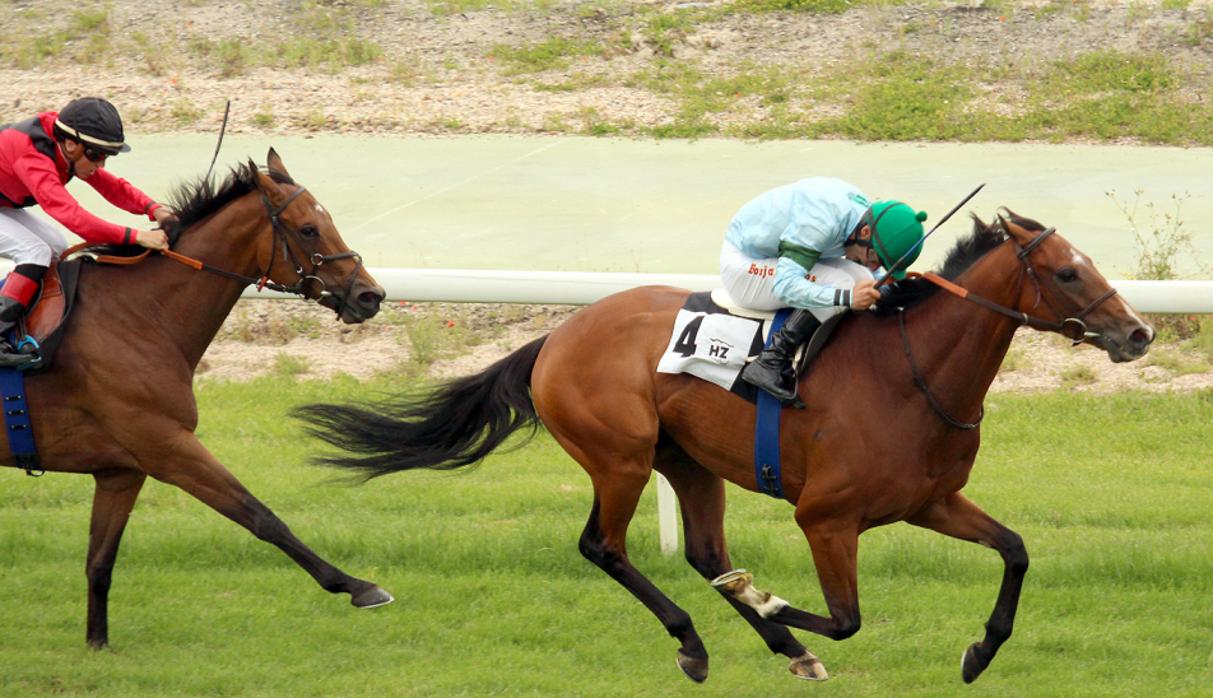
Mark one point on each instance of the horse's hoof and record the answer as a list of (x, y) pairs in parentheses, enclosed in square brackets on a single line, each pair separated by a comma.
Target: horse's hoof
[(971, 665), (371, 597), (808, 667), (694, 667)]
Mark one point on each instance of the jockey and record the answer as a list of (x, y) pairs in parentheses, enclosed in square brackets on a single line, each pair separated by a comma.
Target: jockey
[(38, 156), (812, 245)]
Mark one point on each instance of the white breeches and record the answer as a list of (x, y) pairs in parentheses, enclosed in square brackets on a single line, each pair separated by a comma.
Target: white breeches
[(751, 282), (28, 239)]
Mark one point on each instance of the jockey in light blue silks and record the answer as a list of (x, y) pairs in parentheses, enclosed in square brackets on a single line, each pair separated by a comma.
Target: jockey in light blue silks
[(812, 245)]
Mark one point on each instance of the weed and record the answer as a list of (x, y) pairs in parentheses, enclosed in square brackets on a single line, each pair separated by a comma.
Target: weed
[(265, 117), (288, 365), (1201, 341), (1160, 249), (553, 54), (315, 120), (1178, 363), (425, 339), (1015, 359), (183, 112), (811, 6), (1077, 376), (153, 54)]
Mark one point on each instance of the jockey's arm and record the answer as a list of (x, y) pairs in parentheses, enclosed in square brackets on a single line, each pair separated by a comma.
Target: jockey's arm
[(793, 286), (123, 194)]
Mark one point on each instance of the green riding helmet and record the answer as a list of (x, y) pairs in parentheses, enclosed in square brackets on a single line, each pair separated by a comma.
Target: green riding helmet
[(896, 231)]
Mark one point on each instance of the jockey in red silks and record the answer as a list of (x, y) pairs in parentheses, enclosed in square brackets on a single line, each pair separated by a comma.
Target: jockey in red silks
[(38, 156)]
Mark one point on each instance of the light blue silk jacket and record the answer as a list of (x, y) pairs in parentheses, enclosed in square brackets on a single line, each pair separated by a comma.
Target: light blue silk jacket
[(815, 215)]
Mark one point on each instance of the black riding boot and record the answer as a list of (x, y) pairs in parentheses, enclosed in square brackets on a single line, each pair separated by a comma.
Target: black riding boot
[(10, 312), (772, 370)]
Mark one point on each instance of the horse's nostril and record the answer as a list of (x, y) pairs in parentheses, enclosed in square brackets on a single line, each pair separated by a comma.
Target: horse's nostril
[(1141, 337), (370, 299)]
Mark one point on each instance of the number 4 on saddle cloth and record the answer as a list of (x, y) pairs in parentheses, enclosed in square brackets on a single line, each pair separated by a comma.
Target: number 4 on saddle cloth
[(713, 338), (37, 334)]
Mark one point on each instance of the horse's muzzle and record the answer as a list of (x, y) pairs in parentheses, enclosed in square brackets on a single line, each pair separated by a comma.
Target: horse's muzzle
[(362, 305), (1128, 344)]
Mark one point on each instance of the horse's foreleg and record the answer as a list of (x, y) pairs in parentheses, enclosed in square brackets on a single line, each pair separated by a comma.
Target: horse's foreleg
[(958, 517), (603, 542), (113, 499), (834, 544), (193, 469), (702, 500)]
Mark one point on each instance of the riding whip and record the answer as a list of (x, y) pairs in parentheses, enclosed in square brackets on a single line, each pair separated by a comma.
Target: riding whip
[(932, 230), (226, 110)]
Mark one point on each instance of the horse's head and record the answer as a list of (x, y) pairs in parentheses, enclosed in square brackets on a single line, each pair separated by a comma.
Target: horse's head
[(307, 254), (1071, 296)]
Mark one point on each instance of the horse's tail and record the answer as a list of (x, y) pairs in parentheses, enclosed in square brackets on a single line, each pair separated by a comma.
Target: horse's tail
[(457, 424)]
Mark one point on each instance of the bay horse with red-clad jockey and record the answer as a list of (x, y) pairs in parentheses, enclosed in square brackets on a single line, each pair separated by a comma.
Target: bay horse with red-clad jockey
[(96, 412), (899, 447)]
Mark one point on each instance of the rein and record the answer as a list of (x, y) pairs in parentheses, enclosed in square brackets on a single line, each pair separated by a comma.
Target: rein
[(309, 285), (1074, 322)]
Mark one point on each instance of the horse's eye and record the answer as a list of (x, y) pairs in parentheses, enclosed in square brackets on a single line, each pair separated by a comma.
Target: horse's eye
[(1067, 275), (309, 231)]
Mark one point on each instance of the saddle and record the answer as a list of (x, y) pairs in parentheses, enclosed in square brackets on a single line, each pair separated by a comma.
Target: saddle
[(41, 330), (805, 353), (712, 338)]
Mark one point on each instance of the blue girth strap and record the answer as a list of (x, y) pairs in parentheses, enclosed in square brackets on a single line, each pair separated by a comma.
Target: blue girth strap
[(16, 421), (766, 430)]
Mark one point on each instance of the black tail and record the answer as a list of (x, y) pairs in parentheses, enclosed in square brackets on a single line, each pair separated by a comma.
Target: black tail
[(457, 424)]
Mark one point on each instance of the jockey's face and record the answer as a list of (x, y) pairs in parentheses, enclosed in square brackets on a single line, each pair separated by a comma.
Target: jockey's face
[(861, 254), (82, 165)]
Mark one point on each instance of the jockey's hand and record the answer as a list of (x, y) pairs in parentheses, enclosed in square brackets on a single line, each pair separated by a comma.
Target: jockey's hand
[(864, 295), (166, 218), (152, 239)]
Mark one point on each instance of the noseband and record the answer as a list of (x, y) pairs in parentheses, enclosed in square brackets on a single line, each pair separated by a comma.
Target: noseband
[(1073, 327)]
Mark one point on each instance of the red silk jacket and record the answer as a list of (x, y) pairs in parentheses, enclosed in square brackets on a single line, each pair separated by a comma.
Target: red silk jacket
[(33, 171)]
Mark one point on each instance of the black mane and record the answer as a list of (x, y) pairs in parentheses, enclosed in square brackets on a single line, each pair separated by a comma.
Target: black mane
[(963, 255), (196, 200)]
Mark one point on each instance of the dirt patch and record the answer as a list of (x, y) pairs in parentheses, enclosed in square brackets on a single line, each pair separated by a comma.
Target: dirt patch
[(442, 72)]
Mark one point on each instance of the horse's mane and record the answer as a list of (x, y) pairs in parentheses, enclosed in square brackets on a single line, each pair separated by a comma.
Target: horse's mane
[(196, 200), (963, 255)]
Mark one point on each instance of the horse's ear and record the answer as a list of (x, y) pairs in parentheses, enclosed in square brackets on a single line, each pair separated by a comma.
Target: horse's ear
[(264, 182), (1021, 234), (274, 162)]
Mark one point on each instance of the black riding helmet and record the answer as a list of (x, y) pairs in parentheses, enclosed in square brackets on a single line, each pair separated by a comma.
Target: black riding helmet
[(95, 123)]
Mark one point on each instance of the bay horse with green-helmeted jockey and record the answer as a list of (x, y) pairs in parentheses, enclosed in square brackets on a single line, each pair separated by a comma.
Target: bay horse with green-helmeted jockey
[(898, 447), (95, 411)]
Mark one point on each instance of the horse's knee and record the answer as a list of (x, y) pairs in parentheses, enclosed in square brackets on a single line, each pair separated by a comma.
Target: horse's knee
[(99, 578), (845, 627)]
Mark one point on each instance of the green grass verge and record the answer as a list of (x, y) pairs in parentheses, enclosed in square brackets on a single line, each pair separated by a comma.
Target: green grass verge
[(1112, 495)]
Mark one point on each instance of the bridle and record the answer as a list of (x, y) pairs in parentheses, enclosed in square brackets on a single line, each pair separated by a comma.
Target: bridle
[(1073, 327), (309, 285)]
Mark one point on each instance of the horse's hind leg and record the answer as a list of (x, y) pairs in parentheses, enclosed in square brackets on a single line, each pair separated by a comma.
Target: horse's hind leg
[(192, 468), (603, 542), (958, 517), (702, 501), (113, 499)]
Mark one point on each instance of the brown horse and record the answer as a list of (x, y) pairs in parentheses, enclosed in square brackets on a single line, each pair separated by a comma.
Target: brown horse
[(118, 402), (889, 434)]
